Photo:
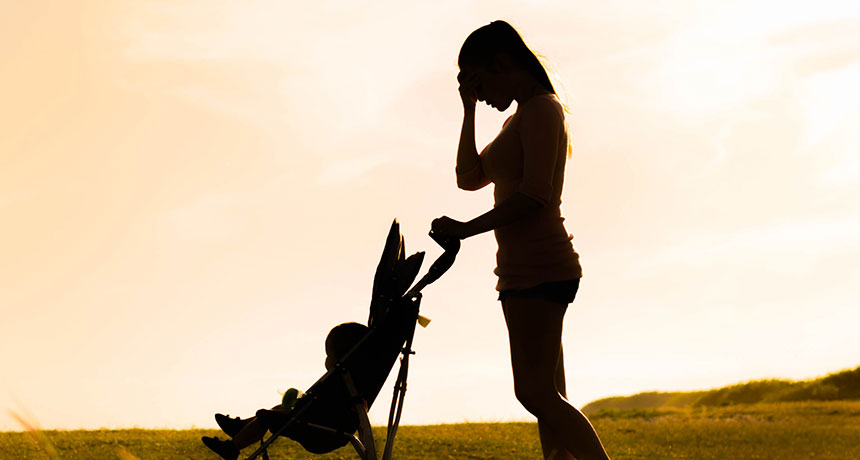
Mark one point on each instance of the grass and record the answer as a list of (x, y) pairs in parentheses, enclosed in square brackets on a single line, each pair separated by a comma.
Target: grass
[(773, 431)]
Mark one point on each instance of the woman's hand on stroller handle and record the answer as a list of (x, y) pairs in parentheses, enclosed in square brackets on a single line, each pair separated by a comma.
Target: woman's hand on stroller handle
[(445, 228)]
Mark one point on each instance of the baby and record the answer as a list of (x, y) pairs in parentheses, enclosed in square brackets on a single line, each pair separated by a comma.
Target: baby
[(244, 432)]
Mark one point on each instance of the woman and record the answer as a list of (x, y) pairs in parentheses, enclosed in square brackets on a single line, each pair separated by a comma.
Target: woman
[(537, 266)]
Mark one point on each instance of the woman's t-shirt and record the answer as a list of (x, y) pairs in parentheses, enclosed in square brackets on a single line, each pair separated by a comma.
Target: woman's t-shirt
[(528, 156)]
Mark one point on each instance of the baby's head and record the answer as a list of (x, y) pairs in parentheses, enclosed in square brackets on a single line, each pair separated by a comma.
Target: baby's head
[(340, 341)]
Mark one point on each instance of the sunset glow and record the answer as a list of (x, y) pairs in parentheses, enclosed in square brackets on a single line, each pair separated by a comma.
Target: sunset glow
[(192, 194)]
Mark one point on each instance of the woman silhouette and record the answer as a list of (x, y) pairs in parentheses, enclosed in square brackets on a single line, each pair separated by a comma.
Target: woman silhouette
[(538, 269)]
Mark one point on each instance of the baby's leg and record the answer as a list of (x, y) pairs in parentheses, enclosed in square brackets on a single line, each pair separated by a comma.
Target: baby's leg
[(251, 433)]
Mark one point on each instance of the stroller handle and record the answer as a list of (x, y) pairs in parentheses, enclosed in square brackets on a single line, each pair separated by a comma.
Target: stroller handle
[(441, 265), (448, 244)]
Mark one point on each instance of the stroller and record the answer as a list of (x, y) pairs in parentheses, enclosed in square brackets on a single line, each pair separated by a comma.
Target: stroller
[(335, 407)]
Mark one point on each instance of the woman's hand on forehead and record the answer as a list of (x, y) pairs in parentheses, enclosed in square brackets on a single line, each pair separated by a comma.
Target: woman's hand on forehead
[(468, 88), (466, 75)]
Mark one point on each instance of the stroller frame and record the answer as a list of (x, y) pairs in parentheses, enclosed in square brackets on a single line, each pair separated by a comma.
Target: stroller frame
[(364, 444)]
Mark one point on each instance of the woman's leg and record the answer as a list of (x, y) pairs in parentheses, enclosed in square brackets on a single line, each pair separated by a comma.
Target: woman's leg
[(534, 330), (548, 440)]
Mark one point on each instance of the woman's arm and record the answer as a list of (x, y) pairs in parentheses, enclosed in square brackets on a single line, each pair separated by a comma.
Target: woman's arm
[(516, 207), (468, 170), (511, 210), (467, 153)]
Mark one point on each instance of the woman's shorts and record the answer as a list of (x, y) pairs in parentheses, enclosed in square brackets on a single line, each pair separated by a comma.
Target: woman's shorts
[(557, 291)]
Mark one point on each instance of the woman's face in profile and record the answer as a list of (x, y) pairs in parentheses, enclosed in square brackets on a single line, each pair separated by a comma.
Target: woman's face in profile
[(492, 87)]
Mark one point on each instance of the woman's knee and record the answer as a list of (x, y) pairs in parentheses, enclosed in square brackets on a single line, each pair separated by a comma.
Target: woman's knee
[(536, 399)]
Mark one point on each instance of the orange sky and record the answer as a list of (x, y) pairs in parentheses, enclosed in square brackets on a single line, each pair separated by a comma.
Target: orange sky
[(192, 195)]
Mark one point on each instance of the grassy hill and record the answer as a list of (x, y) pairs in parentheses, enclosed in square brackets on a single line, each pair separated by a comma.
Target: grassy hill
[(840, 386)]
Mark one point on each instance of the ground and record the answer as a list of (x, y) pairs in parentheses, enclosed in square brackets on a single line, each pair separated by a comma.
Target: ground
[(784, 431)]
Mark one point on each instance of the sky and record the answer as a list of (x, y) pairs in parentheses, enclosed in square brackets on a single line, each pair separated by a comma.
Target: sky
[(193, 193)]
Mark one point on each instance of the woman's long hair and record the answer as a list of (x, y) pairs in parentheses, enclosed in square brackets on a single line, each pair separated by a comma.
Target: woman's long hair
[(485, 43), (482, 45)]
